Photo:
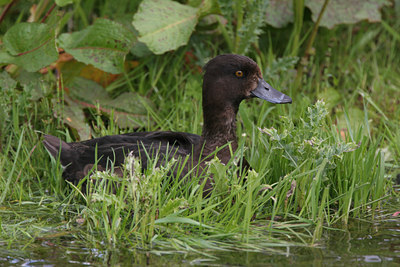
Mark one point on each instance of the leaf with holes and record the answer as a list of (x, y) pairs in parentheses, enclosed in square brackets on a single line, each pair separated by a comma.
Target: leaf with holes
[(346, 11), (164, 25), (279, 13), (103, 44), (29, 45)]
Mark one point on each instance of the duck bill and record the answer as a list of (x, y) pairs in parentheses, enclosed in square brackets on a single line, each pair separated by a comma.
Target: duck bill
[(267, 92)]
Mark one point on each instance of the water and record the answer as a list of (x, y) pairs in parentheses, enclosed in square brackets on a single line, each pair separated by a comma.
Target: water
[(360, 244)]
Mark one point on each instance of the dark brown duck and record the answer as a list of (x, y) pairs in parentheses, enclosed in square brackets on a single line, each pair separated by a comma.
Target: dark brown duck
[(228, 79)]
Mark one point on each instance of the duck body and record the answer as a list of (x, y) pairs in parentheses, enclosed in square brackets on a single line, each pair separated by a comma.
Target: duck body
[(78, 158), (228, 80)]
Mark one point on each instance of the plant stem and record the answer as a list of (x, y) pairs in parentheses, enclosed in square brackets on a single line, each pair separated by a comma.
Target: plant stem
[(48, 13), (6, 9), (309, 45)]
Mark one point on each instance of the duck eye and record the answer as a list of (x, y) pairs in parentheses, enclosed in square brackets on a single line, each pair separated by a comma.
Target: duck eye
[(239, 73)]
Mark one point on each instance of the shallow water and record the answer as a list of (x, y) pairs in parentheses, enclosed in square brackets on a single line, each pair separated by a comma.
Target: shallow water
[(362, 243)]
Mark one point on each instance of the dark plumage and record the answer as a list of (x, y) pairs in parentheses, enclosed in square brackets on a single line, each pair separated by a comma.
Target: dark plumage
[(228, 79)]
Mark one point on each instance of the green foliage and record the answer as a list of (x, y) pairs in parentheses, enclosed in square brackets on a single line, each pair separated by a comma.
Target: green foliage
[(244, 22), (313, 158), (29, 45), (64, 2), (6, 82), (73, 116), (309, 140), (19, 104), (103, 44), (164, 25), (129, 107), (280, 67)]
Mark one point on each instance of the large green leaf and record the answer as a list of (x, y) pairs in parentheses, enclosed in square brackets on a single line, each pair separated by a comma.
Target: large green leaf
[(129, 108), (103, 44), (346, 11), (164, 25), (280, 12), (29, 45)]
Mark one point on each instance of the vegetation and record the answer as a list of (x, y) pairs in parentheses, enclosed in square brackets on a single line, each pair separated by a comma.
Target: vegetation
[(316, 163)]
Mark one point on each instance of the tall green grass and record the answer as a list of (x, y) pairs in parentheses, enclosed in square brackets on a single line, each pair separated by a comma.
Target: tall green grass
[(305, 177)]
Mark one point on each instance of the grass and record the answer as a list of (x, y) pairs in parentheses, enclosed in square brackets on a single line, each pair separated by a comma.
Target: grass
[(316, 165)]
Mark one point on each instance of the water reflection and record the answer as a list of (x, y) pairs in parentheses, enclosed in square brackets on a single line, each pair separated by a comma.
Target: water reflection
[(362, 242)]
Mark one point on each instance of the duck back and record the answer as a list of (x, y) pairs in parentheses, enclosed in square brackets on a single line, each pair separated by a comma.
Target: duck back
[(78, 158)]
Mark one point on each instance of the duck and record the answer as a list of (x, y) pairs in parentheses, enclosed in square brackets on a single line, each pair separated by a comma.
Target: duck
[(228, 80)]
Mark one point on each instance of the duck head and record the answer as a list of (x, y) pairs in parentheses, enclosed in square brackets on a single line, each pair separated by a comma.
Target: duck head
[(229, 79)]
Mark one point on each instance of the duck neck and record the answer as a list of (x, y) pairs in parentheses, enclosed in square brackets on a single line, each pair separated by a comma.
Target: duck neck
[(219, 129)]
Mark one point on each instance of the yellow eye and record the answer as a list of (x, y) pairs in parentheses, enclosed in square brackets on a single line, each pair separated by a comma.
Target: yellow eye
[(239, 73)]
